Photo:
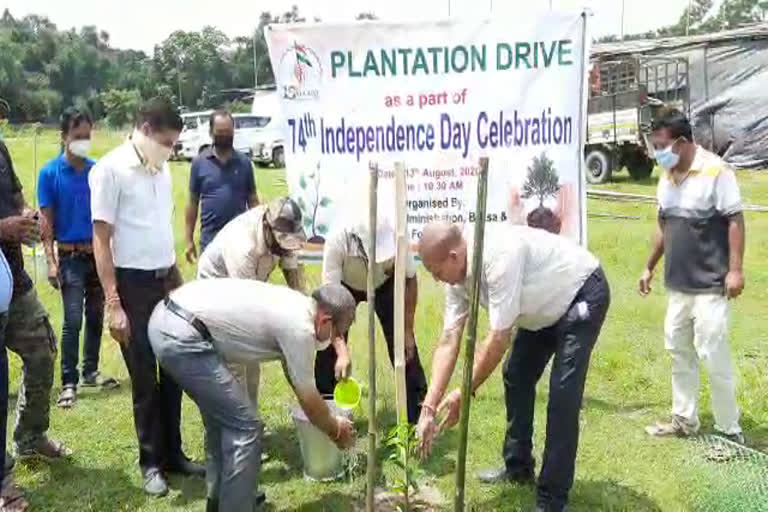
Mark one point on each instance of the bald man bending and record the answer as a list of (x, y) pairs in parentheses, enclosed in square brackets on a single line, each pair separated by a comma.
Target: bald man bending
[(556, 295)]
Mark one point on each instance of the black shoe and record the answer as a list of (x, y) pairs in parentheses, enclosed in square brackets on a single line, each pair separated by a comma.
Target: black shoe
[(259, 500), (549, 508), (500, 475), (186, 467), (154, 483)]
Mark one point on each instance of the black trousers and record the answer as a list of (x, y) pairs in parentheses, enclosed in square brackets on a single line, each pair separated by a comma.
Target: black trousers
[(570, 341), (415, 380), (156, 396)]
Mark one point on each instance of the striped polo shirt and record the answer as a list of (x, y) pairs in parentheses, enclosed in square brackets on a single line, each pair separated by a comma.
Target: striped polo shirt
[(695, 214)]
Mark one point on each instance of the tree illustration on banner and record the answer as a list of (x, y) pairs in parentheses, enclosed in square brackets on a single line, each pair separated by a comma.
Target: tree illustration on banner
[(310, 201), (542, 183)]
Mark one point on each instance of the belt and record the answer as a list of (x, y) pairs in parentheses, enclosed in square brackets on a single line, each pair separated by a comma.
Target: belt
[(160, 273), (182, 313), (85, 248)]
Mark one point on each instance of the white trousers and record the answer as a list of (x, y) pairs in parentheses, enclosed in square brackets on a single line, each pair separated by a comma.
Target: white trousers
[(248, 377), (696, 330)]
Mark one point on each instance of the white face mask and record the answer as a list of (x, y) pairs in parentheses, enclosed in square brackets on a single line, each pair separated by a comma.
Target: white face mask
[(324, 344), (666, 157), (154, 153), (80, 147)]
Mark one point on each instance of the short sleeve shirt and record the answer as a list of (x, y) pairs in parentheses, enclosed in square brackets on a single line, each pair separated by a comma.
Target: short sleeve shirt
[(139, 205), (65, 190), (10, 186), (345, 261), (695, 215), (223, 189), (529, 278), (253, 322), (240, 250)]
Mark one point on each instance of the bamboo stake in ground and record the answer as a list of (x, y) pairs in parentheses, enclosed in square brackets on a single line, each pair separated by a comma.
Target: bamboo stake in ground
[(401, 244), (372, 210), (469, 351)]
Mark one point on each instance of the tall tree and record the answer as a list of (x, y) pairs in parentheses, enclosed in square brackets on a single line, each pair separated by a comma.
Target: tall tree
[(44, 69)]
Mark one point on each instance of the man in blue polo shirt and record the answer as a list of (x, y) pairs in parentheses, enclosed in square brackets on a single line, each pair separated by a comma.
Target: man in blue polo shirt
[(221, 184), (65, 201)]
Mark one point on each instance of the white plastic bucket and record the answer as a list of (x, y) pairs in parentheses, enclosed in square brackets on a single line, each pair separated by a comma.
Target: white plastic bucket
[(323, 461)]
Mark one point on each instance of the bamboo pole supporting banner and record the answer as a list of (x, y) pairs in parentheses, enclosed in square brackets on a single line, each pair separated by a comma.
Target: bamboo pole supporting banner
[(401, 254), (583, 93), (372, 210), (469, 349), (34, 192)]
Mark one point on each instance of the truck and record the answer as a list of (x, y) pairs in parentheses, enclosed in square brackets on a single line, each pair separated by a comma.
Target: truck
[(268, 145), (624, 96)]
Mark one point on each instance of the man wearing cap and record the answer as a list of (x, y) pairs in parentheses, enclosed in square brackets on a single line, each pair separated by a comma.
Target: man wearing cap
[(250, 247), (345, 261), (199, 327)]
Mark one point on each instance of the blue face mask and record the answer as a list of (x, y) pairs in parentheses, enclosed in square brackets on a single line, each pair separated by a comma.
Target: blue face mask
[(667, 158)]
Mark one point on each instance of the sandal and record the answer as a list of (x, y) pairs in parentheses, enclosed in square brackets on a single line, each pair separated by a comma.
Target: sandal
[(12, 500), (67, 397), (96, 379), (47, 449)]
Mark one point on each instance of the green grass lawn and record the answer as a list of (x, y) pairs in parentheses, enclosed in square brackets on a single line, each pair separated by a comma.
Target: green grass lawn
[(618, 468)]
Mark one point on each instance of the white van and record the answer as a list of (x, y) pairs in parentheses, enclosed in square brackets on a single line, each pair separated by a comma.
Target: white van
[(196, 135), (195, 130), (268, 145)]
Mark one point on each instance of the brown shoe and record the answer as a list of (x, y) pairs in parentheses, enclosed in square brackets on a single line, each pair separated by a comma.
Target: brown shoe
[(12, 500), (48, 449), (677, 427), (97, 380)]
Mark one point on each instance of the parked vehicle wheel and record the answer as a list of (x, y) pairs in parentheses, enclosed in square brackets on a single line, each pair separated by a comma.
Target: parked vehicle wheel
[(598, 165), (639, 165), (203, 148), (278, 157)]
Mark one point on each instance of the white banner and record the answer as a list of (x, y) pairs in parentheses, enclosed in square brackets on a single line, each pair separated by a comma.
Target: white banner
[(436, 96)]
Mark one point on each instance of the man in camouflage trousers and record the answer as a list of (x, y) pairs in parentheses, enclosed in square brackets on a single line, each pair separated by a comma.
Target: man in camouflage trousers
[(28, 331)]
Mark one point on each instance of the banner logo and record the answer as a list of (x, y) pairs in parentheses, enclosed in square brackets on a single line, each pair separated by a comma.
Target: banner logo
[(301, 73)]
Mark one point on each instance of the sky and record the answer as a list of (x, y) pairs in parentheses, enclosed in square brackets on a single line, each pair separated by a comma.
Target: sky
[(140, 24)]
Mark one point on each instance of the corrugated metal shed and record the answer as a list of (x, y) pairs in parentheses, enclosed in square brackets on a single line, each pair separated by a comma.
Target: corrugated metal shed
[(728, 83), (750, 32)]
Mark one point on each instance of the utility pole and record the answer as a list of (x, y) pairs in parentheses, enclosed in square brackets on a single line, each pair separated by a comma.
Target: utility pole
[(688, 17), (622, 19), (178, 75), (255, 63)]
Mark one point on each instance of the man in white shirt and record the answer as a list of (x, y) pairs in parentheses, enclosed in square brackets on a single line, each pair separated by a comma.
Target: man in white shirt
[(250, 246), (345, 261), (207, 322), (132, 210), (700, 233), (555, 294)]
